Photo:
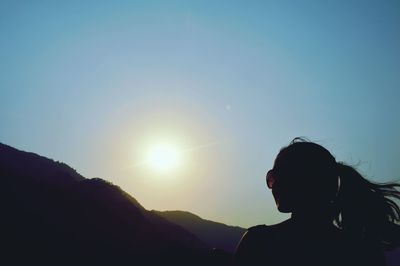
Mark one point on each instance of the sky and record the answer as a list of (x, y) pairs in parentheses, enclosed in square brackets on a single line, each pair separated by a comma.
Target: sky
[(96, 84)]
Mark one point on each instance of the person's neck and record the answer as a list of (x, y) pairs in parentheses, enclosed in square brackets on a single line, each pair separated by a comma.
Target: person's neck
[(314, 218)]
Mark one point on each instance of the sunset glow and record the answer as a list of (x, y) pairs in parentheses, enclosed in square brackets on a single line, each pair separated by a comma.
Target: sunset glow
[(164, 157)]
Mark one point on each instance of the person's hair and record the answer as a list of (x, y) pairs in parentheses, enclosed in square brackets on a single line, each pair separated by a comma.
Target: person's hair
[(355, 205)]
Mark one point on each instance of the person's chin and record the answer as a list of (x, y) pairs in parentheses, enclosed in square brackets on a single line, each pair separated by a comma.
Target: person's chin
[(282, 208)]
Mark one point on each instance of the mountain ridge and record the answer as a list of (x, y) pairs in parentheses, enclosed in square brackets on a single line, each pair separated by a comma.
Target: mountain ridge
[(53, 212)]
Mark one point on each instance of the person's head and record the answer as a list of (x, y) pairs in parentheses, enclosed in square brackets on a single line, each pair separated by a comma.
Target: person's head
[(304, 178)]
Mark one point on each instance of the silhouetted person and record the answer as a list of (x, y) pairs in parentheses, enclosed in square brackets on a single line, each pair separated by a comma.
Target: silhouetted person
[(338, 217)]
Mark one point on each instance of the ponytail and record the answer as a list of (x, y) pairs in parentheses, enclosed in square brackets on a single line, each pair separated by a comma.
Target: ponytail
[(366, 209)]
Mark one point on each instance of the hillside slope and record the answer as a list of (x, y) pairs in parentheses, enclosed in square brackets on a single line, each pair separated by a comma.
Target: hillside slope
[(215, 234), (54, 216)]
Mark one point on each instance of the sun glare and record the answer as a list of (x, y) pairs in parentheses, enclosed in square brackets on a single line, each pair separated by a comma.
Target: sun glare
[(164, 157)]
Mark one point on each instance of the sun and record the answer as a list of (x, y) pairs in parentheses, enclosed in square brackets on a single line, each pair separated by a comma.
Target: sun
[(164, 157)]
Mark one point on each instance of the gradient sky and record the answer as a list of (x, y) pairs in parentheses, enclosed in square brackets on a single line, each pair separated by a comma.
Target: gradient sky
[(91, 83)]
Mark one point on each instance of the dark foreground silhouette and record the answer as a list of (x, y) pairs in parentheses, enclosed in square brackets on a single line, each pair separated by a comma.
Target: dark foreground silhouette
[(338, 217), (51, 215)]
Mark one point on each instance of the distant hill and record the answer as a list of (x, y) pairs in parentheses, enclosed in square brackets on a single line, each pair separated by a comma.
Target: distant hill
[(55, 216), (212, 233), (37, 168)]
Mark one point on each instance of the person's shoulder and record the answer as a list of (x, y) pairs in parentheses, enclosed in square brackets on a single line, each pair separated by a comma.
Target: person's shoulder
[(254, 234), (261, 233), (258, 228), (256, 244), (250, 246), (263, 229)]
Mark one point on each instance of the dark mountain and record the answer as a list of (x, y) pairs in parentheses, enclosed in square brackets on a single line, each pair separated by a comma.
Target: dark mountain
[(37, 168), (52, 215), (212, 233)]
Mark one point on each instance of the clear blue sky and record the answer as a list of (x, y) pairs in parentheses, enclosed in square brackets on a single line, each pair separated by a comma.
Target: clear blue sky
[(89, 82)]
